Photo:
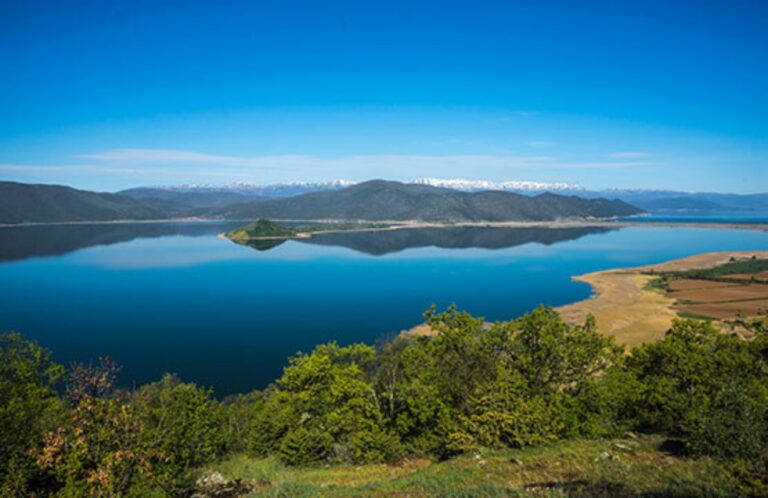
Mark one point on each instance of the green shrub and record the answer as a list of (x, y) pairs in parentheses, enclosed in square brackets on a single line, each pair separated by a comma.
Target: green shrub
[(732, 424), (98, 450), (325, 408), (511, 384), (29, 407), (707, 388), (305, 445), (239, 411), (182, 424)]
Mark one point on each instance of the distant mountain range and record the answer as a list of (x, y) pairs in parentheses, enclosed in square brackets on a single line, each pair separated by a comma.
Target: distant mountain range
[(507, 186), (661, 201), (296, 188), (378, 200), (655, 201), (21, 203), (373, 200), (243, 189), (426, 199)]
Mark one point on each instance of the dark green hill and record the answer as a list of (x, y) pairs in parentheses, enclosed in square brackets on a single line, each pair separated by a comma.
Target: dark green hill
[(20, 203), (386, 200), (182, 202), (375, 200), (261, 229)]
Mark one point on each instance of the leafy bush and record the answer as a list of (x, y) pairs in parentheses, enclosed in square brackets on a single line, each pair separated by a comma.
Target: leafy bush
[(98, 448), (732, 423), (511, 384), (325, 408), (181, 424), (710, 390), (29, 407)]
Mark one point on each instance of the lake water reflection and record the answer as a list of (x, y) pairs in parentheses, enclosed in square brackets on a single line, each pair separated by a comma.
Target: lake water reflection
[(176, 298)]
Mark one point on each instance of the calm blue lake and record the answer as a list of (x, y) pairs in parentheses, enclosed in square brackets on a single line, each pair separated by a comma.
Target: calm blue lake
[(175, 298)]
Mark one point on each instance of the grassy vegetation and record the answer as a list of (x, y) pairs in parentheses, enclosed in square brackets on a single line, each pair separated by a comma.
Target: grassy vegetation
[(656, 284), (627, 467), (693, 316), (747, 266)]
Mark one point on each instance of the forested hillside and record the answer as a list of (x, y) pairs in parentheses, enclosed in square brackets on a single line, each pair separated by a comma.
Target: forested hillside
[(373, 200), (386, 200), (25, 203)]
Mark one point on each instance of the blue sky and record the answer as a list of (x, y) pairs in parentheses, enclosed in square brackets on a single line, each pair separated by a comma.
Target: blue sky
[(106, 95)]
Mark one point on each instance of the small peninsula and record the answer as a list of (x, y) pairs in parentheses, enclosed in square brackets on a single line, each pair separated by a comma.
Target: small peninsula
[(265, 230)]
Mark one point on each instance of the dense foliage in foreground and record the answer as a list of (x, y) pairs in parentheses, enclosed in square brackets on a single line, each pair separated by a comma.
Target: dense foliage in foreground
[(472, 386)]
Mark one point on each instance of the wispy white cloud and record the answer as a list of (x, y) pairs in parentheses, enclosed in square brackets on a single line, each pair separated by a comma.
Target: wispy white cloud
[(129, 167), (628, 154), (170, 156), (150, 157), (85, 169)]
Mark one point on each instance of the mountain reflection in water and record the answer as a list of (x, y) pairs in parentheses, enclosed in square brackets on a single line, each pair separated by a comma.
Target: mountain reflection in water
[(18, 243), (382, 242), (23, 242)]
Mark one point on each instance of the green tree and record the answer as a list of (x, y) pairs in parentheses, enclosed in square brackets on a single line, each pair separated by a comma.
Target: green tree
[(550, 381), (29, 407), (325, 408), (506, 384), (708, 388), (181, 424), (426, 383), (98, 449), (680, 373)]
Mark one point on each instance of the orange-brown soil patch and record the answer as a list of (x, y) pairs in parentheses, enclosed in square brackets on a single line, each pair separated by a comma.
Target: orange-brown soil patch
[(703, 261), (728, 310), (685, 284), (750, 276), (720, 294)]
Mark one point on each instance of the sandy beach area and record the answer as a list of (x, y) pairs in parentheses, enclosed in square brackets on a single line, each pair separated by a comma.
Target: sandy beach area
[(626, 309)]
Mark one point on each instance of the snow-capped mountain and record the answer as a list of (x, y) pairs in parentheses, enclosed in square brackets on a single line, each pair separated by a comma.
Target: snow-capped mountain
[(271, 190), (662, 201), (295, 188), (510, 186)]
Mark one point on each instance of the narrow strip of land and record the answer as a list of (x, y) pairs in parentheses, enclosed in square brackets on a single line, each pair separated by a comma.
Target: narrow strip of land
[(401, 224)]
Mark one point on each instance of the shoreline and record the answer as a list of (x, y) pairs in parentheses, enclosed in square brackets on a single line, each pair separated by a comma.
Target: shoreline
[(629, 311), (416, 224), (621, 303), (406, 224)]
